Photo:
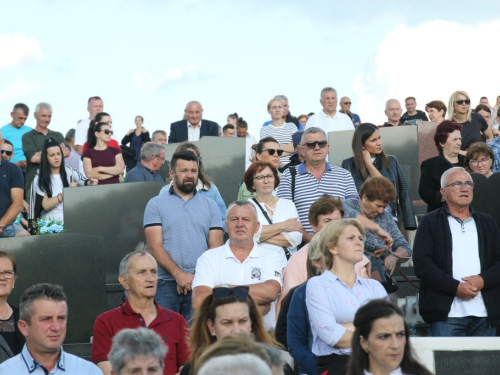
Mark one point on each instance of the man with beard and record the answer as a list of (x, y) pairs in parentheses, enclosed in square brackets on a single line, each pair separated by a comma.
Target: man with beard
[(179, 226)]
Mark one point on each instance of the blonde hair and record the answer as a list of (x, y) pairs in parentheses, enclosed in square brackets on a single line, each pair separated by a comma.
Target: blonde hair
[(451, 105), (331, 233), (272, 100), (314, 251)]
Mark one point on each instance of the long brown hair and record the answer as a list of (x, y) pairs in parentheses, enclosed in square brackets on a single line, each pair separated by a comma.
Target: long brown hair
[(360, 136)]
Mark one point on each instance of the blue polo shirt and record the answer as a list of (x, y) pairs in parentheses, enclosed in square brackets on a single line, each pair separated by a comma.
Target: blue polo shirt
[(185, 226), (140, 174), (15, 136), (67, 364)]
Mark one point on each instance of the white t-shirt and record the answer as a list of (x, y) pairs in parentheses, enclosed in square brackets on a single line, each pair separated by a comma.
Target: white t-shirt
[(57, 188), (220, 266), (338, 122)]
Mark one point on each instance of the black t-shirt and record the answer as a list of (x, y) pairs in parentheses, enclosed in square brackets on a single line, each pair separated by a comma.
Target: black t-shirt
[(471, 132), (412, 120), (10, 177)]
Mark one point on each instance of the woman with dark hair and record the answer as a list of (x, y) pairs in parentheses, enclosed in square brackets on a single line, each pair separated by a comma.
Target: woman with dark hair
[(485, 113), (381, 342), (100, 161), (100, 117), (52, 177), (479, 159), (136, 137), (448, 140), (370, 160), (436, 110)]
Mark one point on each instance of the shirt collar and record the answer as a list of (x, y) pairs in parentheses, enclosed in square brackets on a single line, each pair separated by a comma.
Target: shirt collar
[(162, 314), (328, 116), (332, 277), (191, 126), (303, 169), (471, 209), (146, 168), (228, 253), (31, 363), (172, 191)]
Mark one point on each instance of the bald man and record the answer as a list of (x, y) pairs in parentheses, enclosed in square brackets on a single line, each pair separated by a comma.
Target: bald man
[(393, 112), (192, 128)]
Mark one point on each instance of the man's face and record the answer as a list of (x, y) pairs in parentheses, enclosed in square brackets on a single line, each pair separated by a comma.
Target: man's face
[(484, 101), (329, 101), (47, 330), (43, 118), (458, 197), (345, 103), (325, 219), (142, 366), (18, 118), (410, 105), (286, 107), (193, 113), (185, 175), (160, 139), (393, 111), (142, 276), (241, 223), (229, 133), (158, 160), (242, 132), (6, 148), (95, 106), (317, 153)]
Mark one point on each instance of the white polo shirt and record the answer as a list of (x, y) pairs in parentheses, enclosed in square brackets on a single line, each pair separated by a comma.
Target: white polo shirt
[(220, 266), (336, 123)]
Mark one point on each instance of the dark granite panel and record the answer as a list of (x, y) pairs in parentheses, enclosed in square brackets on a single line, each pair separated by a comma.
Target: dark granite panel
[(467, 362)]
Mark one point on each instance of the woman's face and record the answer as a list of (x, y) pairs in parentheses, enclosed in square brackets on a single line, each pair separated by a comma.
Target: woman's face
[(138, 121), (371, 209), (6, 283), (373, 144), (481, 163), (350, 246), (385, 344), (461, 108), (263, 181), (453, 143), (266, 157), (303, 121), (230, 318), (276, 109), (54, 156), (104, 134), (231, 120), (486, 115), (435, 115)]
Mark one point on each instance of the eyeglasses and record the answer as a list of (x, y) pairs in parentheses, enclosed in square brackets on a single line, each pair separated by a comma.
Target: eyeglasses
[(462, 101), (8, 153), (107, 132), (312, 145), (7, 274), (482, 161), (347, 103), (458, 185), (240, 292), (262, 178), (161, 158), (271, 151)]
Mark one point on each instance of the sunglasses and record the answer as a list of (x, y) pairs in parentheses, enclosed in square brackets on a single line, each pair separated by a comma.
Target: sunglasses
[(312, 145), (8, 153), (462, 101), (271, 151), (348, 103), (107, 132), (240, 292)]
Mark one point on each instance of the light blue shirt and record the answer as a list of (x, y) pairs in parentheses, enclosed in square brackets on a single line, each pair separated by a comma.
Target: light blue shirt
[(15, 135), (67, 364)]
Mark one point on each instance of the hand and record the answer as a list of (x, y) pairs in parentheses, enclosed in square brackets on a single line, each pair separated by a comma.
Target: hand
[(264, 309), (93, 181), (476, 281), (184, 280), (292, 225), (384, 236), (26, 206), (367, 158), (466, 291), (1, 228), (73, 184), (390, 262), (348, 326)]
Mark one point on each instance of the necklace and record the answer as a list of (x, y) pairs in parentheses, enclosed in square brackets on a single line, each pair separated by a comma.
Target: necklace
[(273, 210)]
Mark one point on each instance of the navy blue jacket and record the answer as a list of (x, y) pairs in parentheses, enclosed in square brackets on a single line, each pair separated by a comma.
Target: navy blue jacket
[(179, 130)]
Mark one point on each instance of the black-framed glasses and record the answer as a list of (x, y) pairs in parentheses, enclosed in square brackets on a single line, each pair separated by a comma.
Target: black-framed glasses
[(107, 131), (8, 153), (312, 145), (240, 292), (9, 274), (272, 151), (462, 101), (262, 178), (482, 161), (458, 185)]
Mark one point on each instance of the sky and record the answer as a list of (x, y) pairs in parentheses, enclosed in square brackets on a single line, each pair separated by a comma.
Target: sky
[(151, 57)]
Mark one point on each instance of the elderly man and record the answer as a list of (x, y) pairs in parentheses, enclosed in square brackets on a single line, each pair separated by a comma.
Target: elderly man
[(139, 277), (456, 256), (241, 262), (152, 158), (329, 119), (14, 132), (287, 116), (179, 227), (345, 105), (159, 137), (228, 131), (393, 112), (412, 114), (314, 177), (137, 351), (34, 140), (43, 314), (193, 127)]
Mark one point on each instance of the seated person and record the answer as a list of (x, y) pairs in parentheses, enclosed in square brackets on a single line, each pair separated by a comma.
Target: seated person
[(151, 160)]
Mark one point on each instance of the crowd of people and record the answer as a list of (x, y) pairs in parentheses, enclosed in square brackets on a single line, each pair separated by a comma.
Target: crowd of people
[(298, 282)]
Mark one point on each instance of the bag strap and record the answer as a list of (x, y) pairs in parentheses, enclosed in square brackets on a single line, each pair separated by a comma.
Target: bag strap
[(264, 212), (293, 172), (406, 277)]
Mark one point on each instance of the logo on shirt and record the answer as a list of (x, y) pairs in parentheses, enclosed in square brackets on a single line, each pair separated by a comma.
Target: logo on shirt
[(277, 274), (256, 273)]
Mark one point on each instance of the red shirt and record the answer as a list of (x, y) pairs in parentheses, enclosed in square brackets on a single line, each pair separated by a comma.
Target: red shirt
[(111, 143), (171, 326)]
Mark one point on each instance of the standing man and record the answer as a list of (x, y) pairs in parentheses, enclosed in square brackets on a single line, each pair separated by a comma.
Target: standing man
[(42, 321), (345, 104), (34, 140), (179, 227), (393, 112), (287, 116), (14, 132), (11, 193), (329, 119), (412, 114), (456, 256), (152, 158), (315, 177), (242, 131), (228, 131), (193, 127), (95, 105)]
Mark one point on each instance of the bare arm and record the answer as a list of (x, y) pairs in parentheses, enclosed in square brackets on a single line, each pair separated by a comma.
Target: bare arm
[(116, 170), (36, 158), (199, 294), (105, 367), (346, 340), (65, 149), (16, 195), (215, 238), (278, 240), (21, 164), (374, 172), (266, 292), (269, 231), (92, 173), (374, 227), (79, 149), (49, 203)]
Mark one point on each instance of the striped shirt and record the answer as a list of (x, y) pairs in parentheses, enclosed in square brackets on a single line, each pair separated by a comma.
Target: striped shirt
[(283, 134), (335, 181)]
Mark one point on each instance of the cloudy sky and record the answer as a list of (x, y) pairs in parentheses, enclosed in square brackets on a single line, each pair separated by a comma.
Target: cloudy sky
[(150, 57)]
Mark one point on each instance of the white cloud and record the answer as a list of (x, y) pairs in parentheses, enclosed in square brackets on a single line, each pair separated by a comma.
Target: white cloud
[(145, 81), (16, 49), (429, 61), (18, 89)]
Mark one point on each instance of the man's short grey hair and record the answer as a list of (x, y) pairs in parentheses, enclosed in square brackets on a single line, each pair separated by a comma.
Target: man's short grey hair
[(150, 149), (444, 176), (70, 135), (241, 204), (43, 105), (162, 132), (390, 100), (130, 344), (326, 89), (312, 130), (141, 250), (235, 364), (282, 97)]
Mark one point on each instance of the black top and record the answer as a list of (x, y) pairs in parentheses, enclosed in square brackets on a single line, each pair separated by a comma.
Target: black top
[(412, 120), (10, 332), (471, 132)]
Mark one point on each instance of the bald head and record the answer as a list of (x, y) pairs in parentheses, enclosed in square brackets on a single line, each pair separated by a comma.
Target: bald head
[(345, 103), (393, 111), (193, 112)]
